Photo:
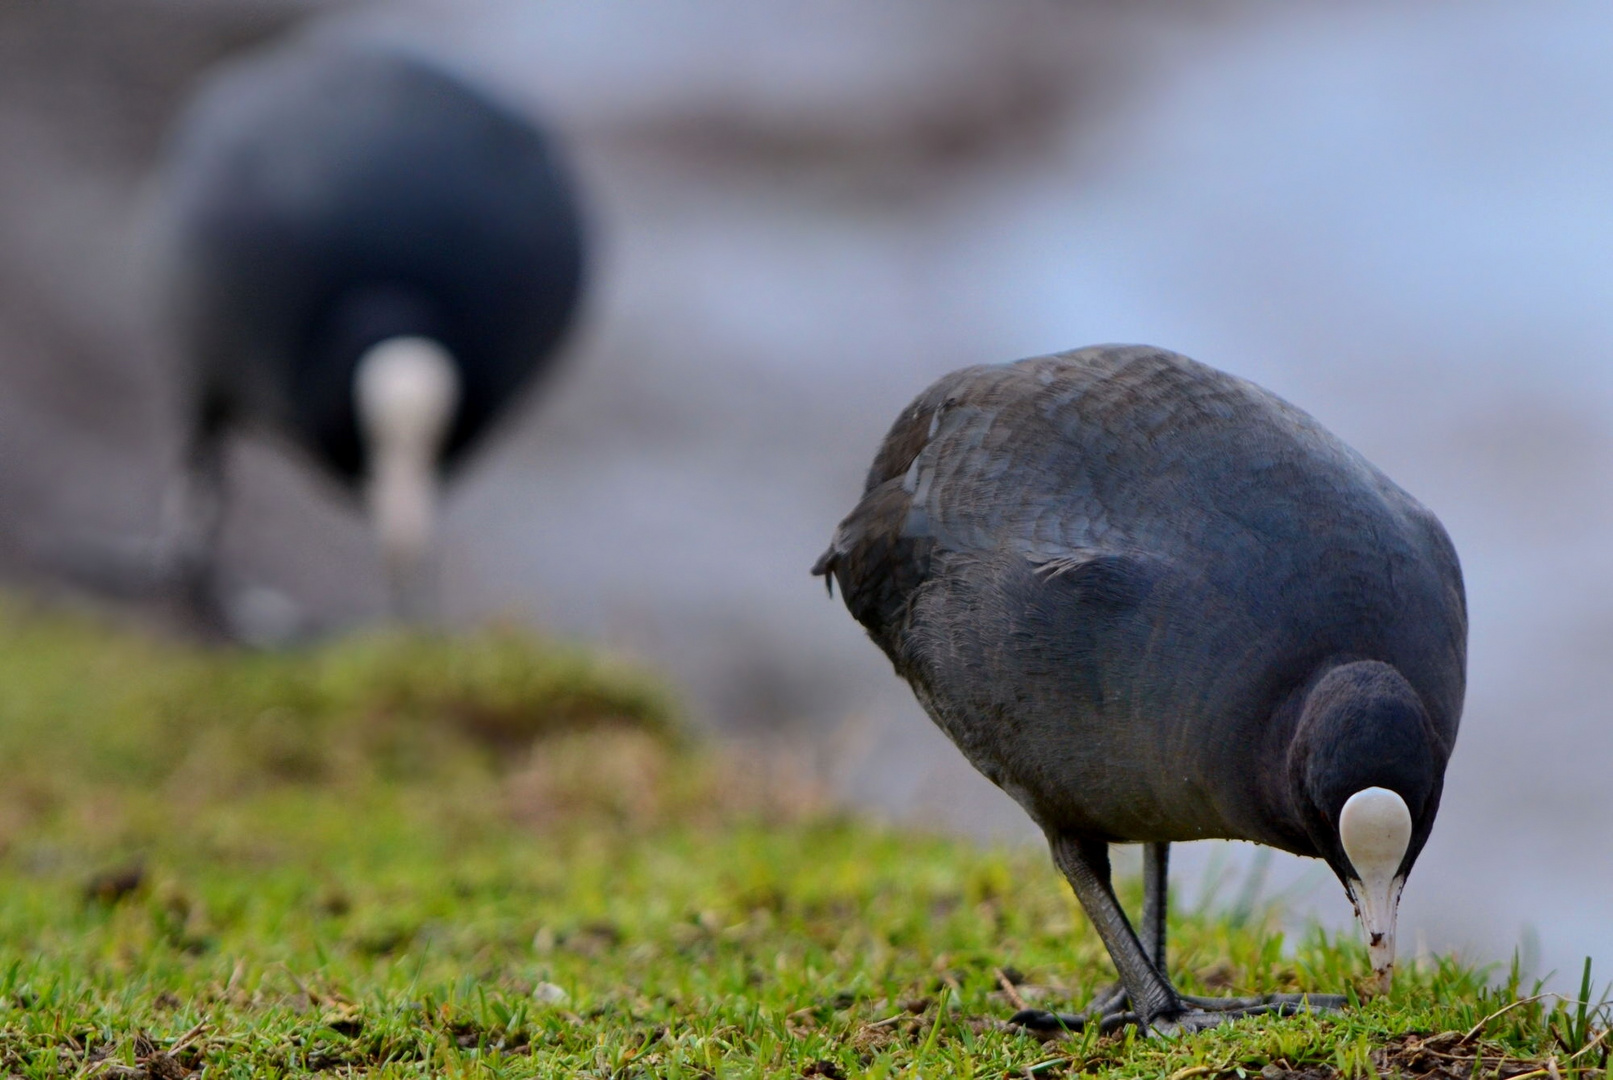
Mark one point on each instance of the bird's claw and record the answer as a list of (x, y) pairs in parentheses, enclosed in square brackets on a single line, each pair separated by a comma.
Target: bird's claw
[(1044, 1022)]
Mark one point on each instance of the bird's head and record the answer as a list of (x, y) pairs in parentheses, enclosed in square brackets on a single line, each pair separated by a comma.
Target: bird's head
[(406, 393), (1366, 767)]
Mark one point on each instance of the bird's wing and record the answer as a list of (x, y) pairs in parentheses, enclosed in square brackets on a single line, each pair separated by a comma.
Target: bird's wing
[(878, 554), (973, 465), (1011, 462)]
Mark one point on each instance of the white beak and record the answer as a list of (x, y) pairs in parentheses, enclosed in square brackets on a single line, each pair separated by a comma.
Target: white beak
[(1375, 906), (1375, 829)]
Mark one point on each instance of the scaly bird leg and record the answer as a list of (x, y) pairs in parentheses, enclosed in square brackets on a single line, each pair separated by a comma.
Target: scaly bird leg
[(1112, 1000), (1085, 864)]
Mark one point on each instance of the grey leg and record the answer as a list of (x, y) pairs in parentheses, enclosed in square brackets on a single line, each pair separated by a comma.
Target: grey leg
[(1156, 876), (1112, 1000), (1085, 864)]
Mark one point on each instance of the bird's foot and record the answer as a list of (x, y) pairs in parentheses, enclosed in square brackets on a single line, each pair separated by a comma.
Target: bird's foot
[(1299, 1002), (1110, 1014), (1112, 1000), (1198, 1018)]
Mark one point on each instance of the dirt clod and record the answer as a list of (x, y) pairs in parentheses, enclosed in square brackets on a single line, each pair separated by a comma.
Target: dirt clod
[(162, 1066)]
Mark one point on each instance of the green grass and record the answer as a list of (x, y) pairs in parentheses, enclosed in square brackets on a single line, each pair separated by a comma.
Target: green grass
[(495, 857)]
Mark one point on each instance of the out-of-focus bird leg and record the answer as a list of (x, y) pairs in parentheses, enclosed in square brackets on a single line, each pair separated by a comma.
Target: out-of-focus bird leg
[(192, 517)]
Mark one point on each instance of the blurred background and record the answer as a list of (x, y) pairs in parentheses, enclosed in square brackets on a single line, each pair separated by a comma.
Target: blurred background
[(804, 212)]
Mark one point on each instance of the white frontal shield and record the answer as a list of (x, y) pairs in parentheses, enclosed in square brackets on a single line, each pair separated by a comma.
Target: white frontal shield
[(406, 391)]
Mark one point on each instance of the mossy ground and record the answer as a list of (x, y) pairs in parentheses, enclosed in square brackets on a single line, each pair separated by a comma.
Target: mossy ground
[(493, 857)]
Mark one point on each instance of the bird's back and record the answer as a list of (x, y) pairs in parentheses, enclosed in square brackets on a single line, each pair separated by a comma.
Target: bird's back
[(1105, 571), (322, 198)]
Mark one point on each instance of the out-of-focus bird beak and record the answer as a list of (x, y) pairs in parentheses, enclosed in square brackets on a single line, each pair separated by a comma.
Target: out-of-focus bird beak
[(1375, 830)]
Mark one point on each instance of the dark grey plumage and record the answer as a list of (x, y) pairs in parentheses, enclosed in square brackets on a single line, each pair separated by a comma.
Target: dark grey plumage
[(1154, 602), (325, 197)]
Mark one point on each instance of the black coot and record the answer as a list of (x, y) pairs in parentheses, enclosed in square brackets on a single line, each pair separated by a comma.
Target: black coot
[(367, 256), (1154, 602)]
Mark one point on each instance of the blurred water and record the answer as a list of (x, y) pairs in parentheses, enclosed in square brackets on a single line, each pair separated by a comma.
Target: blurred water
[(1394, 217)]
